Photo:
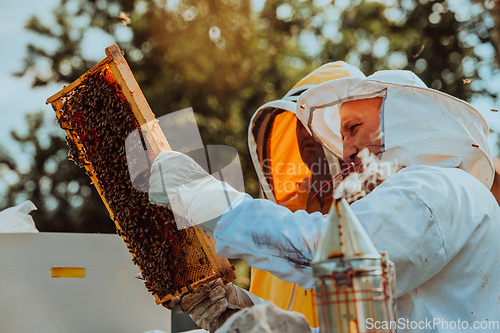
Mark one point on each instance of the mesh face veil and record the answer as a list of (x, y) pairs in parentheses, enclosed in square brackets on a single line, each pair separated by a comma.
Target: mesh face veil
[(272, 140), (419, 126)]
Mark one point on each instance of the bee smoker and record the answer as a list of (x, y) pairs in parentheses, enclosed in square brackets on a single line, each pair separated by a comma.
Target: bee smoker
[(355, 285)]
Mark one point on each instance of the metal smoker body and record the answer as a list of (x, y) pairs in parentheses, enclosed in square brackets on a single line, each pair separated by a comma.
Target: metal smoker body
[(355, 285)]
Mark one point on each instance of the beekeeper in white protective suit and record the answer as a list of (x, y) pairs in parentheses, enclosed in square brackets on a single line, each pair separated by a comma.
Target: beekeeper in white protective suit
[(435, 217)]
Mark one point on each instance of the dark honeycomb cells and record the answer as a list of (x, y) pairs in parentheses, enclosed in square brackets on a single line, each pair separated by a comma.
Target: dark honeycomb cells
[(99, 119)]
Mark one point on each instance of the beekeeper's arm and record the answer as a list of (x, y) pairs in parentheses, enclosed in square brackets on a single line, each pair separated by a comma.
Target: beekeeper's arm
[(415, 216), (177, 180), (396, 216)]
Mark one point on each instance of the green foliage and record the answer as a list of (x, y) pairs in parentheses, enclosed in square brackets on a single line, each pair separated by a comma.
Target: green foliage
[(422, 36), (61, 191), (225, 60)]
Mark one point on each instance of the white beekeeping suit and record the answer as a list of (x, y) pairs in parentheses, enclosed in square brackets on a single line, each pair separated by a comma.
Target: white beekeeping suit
[(17, 219), (435, 217)]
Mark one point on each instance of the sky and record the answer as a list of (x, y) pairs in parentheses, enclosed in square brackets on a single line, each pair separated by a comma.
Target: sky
[(17, 98)]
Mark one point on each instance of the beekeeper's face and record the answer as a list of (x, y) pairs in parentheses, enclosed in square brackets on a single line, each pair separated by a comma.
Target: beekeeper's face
[(306, 143), (360, 127), (312, 152)]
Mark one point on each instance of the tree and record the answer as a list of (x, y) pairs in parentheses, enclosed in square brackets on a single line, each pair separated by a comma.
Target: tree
[(59, 189), (493, 8), (423, 36)]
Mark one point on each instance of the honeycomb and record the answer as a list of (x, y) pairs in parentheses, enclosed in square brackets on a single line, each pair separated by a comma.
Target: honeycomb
[(98, 115)]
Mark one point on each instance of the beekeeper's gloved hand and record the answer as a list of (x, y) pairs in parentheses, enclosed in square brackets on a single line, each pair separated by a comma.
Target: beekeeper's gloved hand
[(211, 304), (177, 180)]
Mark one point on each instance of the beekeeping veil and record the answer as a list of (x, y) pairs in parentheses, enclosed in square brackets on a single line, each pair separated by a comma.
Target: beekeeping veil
[(272, 139), (419, 126)]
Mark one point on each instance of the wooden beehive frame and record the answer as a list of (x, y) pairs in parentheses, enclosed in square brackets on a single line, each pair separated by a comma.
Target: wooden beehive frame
[(157, 141)]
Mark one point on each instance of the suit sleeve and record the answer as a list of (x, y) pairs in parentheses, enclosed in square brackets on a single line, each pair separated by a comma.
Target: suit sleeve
[(412, 216)]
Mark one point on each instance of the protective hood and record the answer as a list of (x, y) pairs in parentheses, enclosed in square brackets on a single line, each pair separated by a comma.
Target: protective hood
[(272, 140), (419, 126)]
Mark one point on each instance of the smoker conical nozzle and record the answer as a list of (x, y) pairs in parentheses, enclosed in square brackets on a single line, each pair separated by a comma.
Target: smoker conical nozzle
[(343, 235), (353, 282)]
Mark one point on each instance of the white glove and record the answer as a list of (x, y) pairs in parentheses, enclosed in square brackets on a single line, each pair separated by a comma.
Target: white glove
[(192, 193), (211, 304)]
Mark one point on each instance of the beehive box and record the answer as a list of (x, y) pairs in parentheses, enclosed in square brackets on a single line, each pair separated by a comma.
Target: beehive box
[(98, 112)]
